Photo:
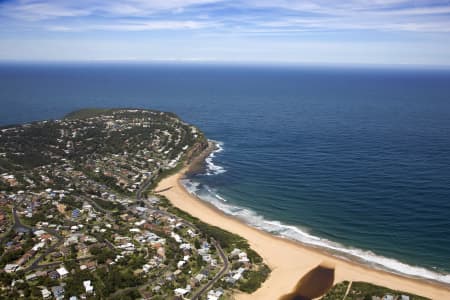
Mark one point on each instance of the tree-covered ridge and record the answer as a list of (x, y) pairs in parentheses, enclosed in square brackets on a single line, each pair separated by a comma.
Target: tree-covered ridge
[(77, 218), (113, 145), (86, 113)]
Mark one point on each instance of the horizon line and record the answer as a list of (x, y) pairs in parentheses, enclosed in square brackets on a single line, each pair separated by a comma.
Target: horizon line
[(200, 62)]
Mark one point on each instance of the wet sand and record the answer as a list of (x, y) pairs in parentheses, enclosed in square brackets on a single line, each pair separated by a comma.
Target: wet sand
[(289, 260)]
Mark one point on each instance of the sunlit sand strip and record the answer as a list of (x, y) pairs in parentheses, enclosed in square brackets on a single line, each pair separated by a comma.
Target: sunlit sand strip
[(289, 260)]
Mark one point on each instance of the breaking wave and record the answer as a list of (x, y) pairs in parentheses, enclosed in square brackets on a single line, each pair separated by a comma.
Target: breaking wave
[(277, 228), (211, 168)]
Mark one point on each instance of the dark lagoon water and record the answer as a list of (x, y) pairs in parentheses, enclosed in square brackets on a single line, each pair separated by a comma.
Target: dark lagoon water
[(353, 160)]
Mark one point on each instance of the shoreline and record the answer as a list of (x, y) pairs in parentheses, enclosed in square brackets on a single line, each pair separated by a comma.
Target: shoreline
[(289, 260)]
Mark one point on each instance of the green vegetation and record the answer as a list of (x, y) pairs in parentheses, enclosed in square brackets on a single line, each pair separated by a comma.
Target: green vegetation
[(203, 142), (114, 278), (87, 113), (108, 205), (95, 112), (106, 180), (165, 173), (364, 291), (98, 161), (12, 255), (74, 284), (337, 291), (253, 279), (109, 146), (228, 241), (102, 254), (127, 295)]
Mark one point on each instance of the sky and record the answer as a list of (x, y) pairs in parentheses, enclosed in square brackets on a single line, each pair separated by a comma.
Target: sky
[(385, 32)]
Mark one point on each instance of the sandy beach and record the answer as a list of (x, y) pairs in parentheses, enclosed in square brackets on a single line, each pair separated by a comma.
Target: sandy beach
[(289, 260)]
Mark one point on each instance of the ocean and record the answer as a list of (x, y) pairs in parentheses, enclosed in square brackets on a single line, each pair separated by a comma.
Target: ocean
[(352, 160)]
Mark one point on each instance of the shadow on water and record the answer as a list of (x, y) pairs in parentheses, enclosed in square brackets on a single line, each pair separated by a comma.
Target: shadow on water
[(314, 284)]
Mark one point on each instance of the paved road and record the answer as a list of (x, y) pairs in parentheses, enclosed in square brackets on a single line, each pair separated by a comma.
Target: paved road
[(219, 275), (219, 249), (105, 211), (216, 244), (19, 226), (58, 263), (143, 188), (35, 264)]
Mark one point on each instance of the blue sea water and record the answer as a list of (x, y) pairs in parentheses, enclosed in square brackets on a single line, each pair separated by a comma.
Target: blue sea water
[(354, 160)]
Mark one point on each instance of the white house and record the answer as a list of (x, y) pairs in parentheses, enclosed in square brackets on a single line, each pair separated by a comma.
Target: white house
[(10, 268), (180, 292), (46, 293), (88, 287), (62, 272)]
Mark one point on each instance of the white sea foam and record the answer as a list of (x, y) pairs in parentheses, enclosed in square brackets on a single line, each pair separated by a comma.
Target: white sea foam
[(191, 186), (302, 235), (211, 168), (214, 192)]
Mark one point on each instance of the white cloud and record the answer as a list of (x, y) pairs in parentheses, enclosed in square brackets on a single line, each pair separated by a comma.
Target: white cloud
[(133, 26), (29, 10), (36, 11), (381, 15), (256, 16), (143, 7)]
